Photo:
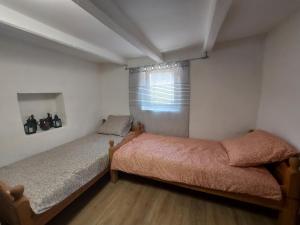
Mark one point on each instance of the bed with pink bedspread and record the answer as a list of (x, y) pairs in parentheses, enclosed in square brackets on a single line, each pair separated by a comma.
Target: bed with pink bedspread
[(200, 163)]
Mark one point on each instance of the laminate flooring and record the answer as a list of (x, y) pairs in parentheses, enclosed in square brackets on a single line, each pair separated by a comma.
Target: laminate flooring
[(138, 201)]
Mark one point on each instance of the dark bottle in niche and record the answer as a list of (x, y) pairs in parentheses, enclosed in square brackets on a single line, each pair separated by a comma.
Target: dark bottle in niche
[(49, 119), (44, 124), (34, 122), (57, 122), (30, 126)]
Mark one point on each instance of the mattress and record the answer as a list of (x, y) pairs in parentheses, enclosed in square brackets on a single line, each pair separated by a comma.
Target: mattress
[(52, 176), (194, 162)]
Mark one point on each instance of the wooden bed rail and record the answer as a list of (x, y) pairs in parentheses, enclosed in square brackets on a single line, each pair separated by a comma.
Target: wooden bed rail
[(14, 208)]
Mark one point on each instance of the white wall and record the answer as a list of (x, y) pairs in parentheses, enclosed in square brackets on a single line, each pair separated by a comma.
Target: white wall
[(224, 93), (26, 68), (225, 90), (279, 110), (114, 90)]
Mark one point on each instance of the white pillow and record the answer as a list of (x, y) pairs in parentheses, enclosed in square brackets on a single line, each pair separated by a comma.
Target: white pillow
[(116, 125)]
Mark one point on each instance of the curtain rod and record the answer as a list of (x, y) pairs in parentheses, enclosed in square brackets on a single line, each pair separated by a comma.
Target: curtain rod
[(205, 56)]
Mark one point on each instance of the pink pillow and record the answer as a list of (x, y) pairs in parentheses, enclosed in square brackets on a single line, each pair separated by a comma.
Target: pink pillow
[(257, 148)]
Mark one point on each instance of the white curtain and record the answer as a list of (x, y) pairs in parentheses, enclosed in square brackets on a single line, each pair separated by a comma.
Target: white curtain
[(160, 97)]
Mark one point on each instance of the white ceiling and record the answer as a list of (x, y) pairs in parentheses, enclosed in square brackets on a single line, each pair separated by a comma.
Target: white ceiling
[(168, 25), (252, 17), (68, 17)]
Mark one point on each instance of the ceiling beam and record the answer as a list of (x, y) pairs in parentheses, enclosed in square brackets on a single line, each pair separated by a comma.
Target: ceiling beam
[(21, 22), (114, 18), (218, 11)]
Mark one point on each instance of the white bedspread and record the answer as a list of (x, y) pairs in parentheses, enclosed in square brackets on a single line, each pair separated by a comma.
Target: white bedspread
[(52, 176)]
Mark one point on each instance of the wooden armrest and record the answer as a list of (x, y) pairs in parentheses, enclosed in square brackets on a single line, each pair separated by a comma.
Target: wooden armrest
[(288, 175), (13, 193), (17, 192), (137, 130), (14, 207)]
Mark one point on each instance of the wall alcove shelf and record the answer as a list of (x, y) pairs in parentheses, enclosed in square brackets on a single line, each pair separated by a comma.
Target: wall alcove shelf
[(39, 104)]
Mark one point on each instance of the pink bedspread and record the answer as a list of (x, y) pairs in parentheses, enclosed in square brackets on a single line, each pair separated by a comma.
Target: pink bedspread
[(195, 162)]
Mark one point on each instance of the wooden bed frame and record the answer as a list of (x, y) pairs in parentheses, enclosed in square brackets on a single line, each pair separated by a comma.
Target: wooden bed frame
[(286, 173), (15, 207)]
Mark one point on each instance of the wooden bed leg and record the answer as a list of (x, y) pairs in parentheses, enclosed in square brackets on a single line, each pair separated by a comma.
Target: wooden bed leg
[(288, 216), (111, 151), (114, 176), (113, 173)]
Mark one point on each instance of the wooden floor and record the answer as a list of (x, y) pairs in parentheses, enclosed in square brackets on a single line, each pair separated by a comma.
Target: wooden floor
[(137, 201)]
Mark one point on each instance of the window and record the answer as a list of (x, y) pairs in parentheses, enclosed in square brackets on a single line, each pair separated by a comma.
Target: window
[(159, 97), (161, 92)]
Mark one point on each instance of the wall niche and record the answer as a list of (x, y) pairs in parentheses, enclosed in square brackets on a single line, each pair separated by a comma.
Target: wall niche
[(39, 104)]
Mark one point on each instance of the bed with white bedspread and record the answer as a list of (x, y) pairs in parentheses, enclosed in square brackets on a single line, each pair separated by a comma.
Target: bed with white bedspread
[(51, 176)]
